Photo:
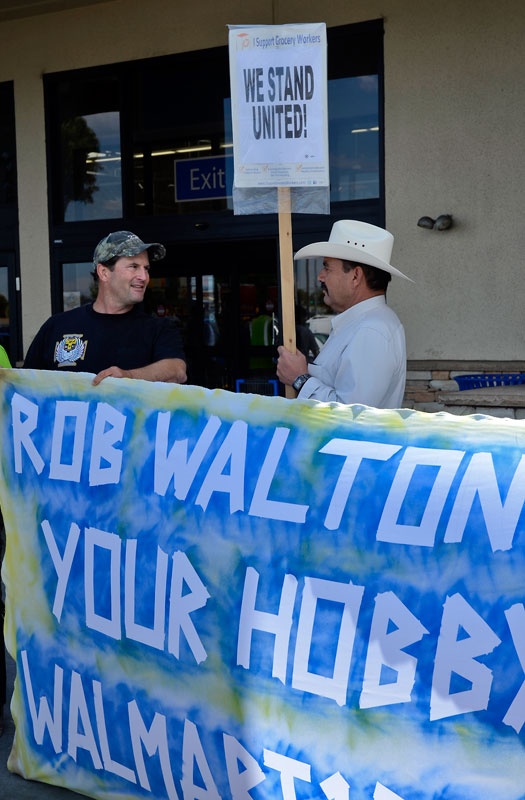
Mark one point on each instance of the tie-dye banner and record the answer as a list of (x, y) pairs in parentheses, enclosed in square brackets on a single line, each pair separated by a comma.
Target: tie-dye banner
[(230, 596)]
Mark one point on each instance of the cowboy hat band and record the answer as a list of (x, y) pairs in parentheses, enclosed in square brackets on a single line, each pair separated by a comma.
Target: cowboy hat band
[(351, 240)]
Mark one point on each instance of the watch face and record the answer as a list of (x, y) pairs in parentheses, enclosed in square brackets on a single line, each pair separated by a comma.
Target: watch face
[(299, 382)]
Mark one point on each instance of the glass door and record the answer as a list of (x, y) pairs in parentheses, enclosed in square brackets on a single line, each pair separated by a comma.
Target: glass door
[(8, 304), (224, 297)]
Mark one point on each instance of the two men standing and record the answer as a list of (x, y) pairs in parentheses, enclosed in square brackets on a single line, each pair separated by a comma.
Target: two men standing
[(363, 360)]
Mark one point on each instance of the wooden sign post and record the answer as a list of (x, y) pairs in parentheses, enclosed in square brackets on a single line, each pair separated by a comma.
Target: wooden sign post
[(287, 276), (278, 77)]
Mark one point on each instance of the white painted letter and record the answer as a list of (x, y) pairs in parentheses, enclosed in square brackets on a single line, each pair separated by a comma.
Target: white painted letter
[(289, 769), (154, 637), (251, 776), (387, 648), (350, 597), (78, 709), (192, 751), (335, 787), (354, 452), (515, 716), (382, 793), (233, 449), (274, 509), (107, 541), (22, 432), (181, 606), (102, 448), (62, 565), (43, 719), (460, 657), (77, 410), (279, 624), (424, 533), (176, 463), (156, 739), (109, 764), (500, 518)]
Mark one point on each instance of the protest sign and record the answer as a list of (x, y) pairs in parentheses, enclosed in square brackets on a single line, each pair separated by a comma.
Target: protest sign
[(279, 105), (278, 78), (231, 596)]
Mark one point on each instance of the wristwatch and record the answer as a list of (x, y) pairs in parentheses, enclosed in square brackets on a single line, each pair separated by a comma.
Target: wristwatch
[(300, 381)]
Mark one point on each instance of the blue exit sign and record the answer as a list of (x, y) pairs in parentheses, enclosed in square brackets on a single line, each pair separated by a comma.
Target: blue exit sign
[(208, 178)]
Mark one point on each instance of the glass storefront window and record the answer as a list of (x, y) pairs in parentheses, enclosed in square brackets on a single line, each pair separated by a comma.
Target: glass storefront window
[(7, 146), (90, 178), (9, 327), (185, 176), (310, 309), (91, 144), (177, 141), (353, 107), (77, 284), (222, 309), (180, 151), (4, 309)]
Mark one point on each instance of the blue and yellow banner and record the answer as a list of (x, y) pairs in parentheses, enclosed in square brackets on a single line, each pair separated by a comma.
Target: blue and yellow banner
[(214, 596)]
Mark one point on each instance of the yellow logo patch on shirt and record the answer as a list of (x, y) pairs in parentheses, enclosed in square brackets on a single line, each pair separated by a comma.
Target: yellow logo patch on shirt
[(70, 350)]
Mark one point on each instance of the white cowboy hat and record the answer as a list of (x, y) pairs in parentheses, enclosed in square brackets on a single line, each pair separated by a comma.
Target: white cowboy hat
[(352, 240)]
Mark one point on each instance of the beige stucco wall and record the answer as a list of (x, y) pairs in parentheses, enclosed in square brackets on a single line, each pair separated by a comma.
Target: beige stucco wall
[(454, 117)]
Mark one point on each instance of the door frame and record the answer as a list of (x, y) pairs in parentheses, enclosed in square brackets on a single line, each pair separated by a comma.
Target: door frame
[(8, 259)]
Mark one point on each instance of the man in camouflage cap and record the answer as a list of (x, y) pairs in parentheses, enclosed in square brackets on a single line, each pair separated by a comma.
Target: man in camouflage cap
[(114, 337), (125, 243)]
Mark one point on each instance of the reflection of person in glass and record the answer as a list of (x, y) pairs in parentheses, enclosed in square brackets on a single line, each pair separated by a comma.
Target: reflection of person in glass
[(305, 340), (363, 359), (114, 337), (262, 334)]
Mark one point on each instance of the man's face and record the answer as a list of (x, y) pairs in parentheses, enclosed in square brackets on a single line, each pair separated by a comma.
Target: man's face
[(337, 285), (127, 281)]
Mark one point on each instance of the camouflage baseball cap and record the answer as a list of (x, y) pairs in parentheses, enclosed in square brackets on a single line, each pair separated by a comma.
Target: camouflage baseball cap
[(125, 243)]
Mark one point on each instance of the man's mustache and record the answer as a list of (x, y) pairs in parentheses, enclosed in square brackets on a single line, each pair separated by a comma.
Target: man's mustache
[(323, 287)]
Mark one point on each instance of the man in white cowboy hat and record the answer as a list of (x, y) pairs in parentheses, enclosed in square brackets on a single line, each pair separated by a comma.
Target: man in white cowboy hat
[(364, 358)]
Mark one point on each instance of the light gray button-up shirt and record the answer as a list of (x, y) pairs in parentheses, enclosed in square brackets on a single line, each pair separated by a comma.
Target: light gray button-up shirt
[(363, 360)]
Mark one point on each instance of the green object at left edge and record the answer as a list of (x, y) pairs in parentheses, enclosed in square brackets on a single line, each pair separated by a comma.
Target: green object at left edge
[(4, 358)]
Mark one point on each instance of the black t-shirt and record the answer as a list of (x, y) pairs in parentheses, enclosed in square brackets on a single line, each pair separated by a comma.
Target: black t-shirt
[(82, 340)]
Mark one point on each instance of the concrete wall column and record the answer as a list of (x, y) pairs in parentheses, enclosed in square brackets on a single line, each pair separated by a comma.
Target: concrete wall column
[(32, 203)]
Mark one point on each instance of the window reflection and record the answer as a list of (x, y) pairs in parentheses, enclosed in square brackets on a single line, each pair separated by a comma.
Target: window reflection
[(4, 308), (181, 151), (311, 313), (7, 146), (182, 177), (78, 284), (87, 141), (196, 174), (216, 309), (353, 107), (92, 164)]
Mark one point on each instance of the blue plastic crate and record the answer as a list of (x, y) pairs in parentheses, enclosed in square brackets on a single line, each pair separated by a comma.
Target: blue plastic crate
[(254, 386), (481, 381)]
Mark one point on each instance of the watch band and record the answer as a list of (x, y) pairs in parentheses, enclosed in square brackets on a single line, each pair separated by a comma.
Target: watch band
[(300, 381)]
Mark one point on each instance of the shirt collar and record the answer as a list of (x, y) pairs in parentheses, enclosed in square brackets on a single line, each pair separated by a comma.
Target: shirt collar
[(354, 312)]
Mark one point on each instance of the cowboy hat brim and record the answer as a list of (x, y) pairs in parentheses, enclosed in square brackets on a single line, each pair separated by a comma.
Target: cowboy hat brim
[(347, 253)]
